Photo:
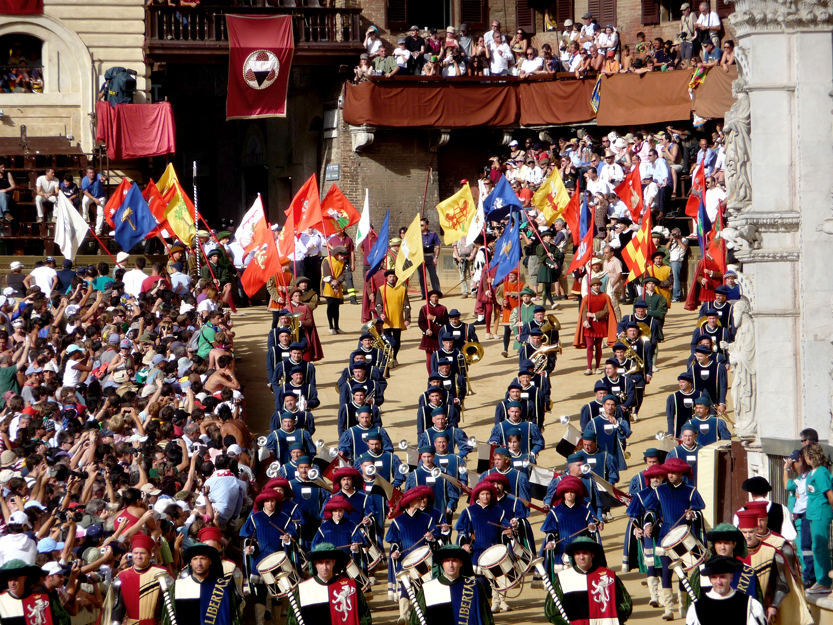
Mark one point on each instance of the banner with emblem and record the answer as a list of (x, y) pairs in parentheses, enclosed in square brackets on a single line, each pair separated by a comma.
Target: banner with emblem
[(265, 263), (260, 56), (552, 197), (456, 214), (410, 252), (637, 253)]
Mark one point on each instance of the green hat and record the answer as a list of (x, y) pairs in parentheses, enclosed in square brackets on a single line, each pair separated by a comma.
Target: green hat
[(225, 234), (583, 543), (727, 531), (453, 551), (327, 551), (18, 568), (527, 291)]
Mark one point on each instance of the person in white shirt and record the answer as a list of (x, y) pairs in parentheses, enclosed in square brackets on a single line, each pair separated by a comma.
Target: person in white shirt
[(316, 246), (500, 56), (534, 174), (16, 545), (133, 279), (372, 42), (43, 276), (47, 191), (180, 282), (616, 207), (612, 172), (714, 197), (453, 64), (533, 64), (595, 184), (224, 490), (708, 25), (575, 59), (607, 40), (587, 36), (402, 55), (489, 36)]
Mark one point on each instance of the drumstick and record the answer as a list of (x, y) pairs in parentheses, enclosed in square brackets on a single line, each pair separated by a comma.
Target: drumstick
[(412, 546), (584, 529), (499, 525)]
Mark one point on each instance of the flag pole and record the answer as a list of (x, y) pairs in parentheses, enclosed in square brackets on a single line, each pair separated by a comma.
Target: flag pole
[(104, 247), (196, 228), (422, 216), (535, 230)]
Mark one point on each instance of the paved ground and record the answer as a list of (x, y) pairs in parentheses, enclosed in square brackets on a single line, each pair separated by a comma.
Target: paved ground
[(571, 389)]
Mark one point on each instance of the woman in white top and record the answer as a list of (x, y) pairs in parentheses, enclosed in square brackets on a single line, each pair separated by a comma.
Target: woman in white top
[(607, 40), (372, 42), (78, 366)]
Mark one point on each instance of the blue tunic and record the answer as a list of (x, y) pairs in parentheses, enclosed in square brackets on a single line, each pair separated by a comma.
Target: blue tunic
[(280, 440), (710, 430), (481, 528), (424, 420), (563, 525), (445, 496), (457, 440), (690, 456), (304, 420), (518, 482), (289, 470), (405, 531), (310, 499), (668, 504), (342, 535), (602, 464), (522, 463), (267, 532), (612, 437), (353, 442), (531, 437)]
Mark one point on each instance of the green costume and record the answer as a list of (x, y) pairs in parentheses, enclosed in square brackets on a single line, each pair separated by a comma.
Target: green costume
[(819, 515), (523, 313), (549, 270)]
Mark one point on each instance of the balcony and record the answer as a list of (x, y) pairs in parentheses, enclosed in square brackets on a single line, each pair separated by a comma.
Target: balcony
[(323, 35)]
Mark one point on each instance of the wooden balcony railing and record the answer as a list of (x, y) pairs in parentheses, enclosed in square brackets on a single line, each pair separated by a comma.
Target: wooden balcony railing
[(319, 31)]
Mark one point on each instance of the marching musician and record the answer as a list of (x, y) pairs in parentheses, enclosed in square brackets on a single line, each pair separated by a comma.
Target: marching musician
[(461, 333), (394, 310), (268, 529), (640, 548), (370, 355), (213, 537), (778, 517), (283, 486), (348, 483), (642, 315), (723, 603), (520, 460), (454, 384), (456, 439), (425, 414), (348, 414), (449, 354), (723, 308), (617, 385), (374, 391), (279, 441), (290, 468), (304, 419), (513, 400), (507, 296), (706, 340), (373, 372), (597, 321), (310, 498), (425, 498), (540, 321), (709, 428), (612, 430), (679, 407), (283, 370), (601, 462), (329, 597), (518, 480), (338, 528), (656, 304), (203, 596), (726, 540), (445, 496), (688, 450), (541, 380), (567, 518), (588, 587), (574, 464), (668, 506), (306, 392), (20, 604), (534, 342), (714, 329), (353, 443), (522, 315), (137, 596), (481, 525), (406, 532), (594, 408), (432, 317), (435, 381), (641, 346), (386, 465), (454, 596), (448, 461), (313, 351), (709, 376), (531, 439), (277, 350), (532, 399)]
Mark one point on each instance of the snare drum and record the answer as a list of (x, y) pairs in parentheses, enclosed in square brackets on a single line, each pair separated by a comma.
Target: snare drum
[(523, 556), (273, 565), (355, 573), (682, 546), (501, 567), (418, 564), (373, 556)]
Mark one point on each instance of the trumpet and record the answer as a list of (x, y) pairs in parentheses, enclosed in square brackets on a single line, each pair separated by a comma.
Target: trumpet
[(261, 441), (627, 455), (404, 469), (565, 419), (333, 452), (262, 451), (404, 445), (272, 471), (319, 444), (436, 472), (463, 469), (370, 470), (472, 353), (586, 468), (472, 441), (313, 474), (663, 435)]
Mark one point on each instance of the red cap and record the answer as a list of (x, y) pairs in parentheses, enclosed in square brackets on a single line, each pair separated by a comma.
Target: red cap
[(498, 478), (416, 493), (211, 533), (142, 541), (759, 506), (676, 465), (655, 471), (747, 519), (346, 472), (463, 181), (280, 482), (337, 502), (569, 483), (484, 485)]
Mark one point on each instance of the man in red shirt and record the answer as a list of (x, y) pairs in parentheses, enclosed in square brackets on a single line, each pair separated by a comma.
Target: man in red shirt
[(342, 238), (158, 274), (524, 194)]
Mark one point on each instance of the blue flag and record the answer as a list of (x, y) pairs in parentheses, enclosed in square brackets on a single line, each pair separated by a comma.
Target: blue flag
[(704, 225), (507, 250), (380, 249), (497, 204), (133, 219)]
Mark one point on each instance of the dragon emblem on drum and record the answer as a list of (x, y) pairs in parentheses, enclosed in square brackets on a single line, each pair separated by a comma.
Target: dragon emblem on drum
[(600, 591), (342, 601)]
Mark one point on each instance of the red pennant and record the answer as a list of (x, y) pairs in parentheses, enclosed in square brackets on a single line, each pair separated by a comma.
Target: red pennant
[(265, 263), (698, 187), (630, 192), (306, 206), (115, 201), (337, 212), (571, 216)]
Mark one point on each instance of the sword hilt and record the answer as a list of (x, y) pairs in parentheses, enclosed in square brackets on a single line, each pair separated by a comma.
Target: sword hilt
[(406, 582), (538, 563)]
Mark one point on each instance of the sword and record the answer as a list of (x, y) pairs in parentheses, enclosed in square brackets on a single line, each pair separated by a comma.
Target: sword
[(678, 569), (166, 595), (286, 587), (538, 563), (405, 579)]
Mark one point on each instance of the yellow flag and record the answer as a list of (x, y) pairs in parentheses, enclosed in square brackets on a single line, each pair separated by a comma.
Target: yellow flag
[(410, 252), (179, 210), (456, 214), (551, 198), (167, 180)]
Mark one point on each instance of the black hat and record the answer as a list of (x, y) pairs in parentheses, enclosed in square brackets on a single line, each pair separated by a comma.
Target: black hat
[(453, 313), (390, 272), (201, 549), (685, 375), (756, 485), (454, 551), (718, 565)]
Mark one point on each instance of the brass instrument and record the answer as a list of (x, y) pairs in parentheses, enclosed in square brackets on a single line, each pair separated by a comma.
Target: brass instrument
[(552, 324), (644, 329), (295, 326), (379, 343), (704, 320), (540, 356), (472, 353)]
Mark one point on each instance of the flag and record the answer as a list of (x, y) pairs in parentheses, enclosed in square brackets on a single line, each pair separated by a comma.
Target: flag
[(630, 192), (496, 206), (717, 246), (364, 221), (507, 251), (380, 249), (167, 180), (286, 239), (698, 188), (337, 212), (70, 227), (704, 226), (571, 215), (456, 214), (133, 219), (587, 230), (244, 235), (637, 252), (410, 252), (306, 206), (265, 263), (479, 221), (21, 7), (115, 201), (179, 212), (157, 207), (260, 57), (551, 198), (596, 96)]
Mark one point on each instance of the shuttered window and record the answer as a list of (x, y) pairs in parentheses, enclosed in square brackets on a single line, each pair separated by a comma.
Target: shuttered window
[(526, 16), (650, 12), (603, 11), (473, 14), (397, 15), (563, 11), (724, 9)]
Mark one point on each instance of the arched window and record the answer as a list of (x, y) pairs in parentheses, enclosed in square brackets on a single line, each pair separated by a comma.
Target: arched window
[(21, 64)]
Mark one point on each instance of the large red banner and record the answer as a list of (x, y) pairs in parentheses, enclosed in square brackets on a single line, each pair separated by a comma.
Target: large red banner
[(260, 56), (21, 7)]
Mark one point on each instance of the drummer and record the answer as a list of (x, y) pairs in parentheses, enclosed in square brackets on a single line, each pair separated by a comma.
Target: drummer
[(520, 461), (640, 549), (454, 596), (348, 483), (310, 498), (514, 509), (338, 529), (425, 496), (575, 462), (518, 481), (568, 518), (445, 496)]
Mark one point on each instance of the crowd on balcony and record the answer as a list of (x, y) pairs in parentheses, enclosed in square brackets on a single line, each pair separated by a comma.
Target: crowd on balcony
[(21, 72), (584, 50)]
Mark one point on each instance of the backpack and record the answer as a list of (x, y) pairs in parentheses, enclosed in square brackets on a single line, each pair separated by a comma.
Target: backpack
[(194, 341)]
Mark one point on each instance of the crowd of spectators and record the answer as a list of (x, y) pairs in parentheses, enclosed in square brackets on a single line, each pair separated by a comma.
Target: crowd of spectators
[(21, 73), (586, 49)]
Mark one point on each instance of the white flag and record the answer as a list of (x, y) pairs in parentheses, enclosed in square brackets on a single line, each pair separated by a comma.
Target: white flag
[(70, 227), (476, 227), (245, 232), (364, 222)]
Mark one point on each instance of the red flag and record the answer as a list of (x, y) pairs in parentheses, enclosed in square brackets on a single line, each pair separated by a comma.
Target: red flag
[(154, 199), (630, 192), (583, 253), (637, 252), (260, 56), (265, 263), (306, 206), (337, 212), (698, 188), (286, 239), (21, 7), (115, 201), (571, 216)]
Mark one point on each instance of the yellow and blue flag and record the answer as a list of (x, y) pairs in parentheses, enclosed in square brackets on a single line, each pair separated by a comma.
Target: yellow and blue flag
[(133, 219)]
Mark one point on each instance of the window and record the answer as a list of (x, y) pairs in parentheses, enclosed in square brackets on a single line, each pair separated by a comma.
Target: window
[(526, 16), (21, 65), (402, 14), (603, 11)]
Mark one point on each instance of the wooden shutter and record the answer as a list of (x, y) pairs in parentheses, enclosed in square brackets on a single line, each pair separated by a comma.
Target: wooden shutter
[(525, 16), (594, 8), (607, 13), (724, 9), (473, 13), (563, 11), (398, 15), (650, 12)]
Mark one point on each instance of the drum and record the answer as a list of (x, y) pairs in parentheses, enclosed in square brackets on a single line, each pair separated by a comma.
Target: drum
[(522, 555), (274, 565), (355, 573), (373, 556), (501, 567), (682, 546), (418, 564)]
